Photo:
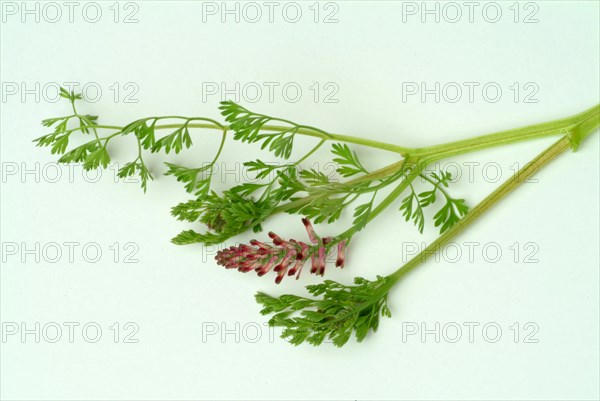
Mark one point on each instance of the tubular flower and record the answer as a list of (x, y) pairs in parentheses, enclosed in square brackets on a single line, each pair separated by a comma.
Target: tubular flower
[(341, 254), (282, 256)]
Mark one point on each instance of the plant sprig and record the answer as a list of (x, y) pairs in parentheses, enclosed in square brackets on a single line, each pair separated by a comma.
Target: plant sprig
[(288, 187)]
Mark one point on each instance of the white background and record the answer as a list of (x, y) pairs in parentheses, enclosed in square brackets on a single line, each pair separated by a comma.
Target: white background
[(177, 295)]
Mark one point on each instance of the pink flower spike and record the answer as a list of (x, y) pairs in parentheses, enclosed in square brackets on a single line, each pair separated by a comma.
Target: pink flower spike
[(312, 235), (284, 257), (341, 254)]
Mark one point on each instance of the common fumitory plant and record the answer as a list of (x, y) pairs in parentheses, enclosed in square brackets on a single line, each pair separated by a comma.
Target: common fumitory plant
[(333, 310)]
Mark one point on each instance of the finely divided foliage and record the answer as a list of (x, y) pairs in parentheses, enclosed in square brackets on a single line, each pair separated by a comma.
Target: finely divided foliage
[(347, 160), (276, 187), (342, 310), (248, 128), (450, 213), (336, 310)]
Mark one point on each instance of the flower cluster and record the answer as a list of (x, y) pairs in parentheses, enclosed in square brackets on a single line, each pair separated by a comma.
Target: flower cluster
[(283, 257)]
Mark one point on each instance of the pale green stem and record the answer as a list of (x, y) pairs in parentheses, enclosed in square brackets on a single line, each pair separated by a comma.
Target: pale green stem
[(507, 187), (552, 128)]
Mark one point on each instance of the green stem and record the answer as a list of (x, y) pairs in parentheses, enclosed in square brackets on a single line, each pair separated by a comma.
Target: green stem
[(306, 131), (276, 128), (221, 145), (507, 187), (587, 119), (574, 129), (309, 154)]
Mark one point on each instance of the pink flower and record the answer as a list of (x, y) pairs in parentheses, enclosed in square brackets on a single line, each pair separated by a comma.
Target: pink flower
[(341, 254), (312, 235), (283, 257)]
